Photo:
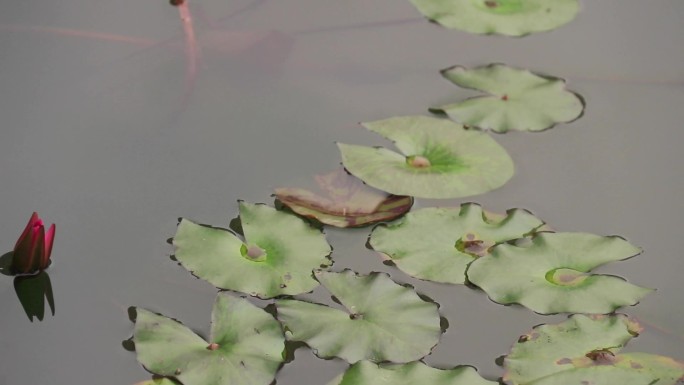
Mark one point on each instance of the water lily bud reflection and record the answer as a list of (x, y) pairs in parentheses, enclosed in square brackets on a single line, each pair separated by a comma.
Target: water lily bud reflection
[(32, 250)]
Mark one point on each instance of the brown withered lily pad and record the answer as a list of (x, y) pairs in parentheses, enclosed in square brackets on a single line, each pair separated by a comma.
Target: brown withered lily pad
[(344, 201)]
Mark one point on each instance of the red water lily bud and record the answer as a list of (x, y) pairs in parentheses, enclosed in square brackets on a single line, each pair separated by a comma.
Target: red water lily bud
[(33, 249)]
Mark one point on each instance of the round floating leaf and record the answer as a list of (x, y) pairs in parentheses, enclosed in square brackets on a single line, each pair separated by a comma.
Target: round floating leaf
[(583, 350), (158, 381), (368, 373), (501, 17), (549, 275), (383, 321), (441, 159), (246, 346), (518, 99), (437, 244), (346, 202), (278, 257)]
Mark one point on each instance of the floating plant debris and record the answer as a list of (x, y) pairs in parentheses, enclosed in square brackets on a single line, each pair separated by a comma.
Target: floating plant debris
[(437, 244), (441, 159), (518, 99), (584, 350), (346, 201), (383, 321), (278, 255), (250, 345), (550, 274), (500, 17), (368, 373)]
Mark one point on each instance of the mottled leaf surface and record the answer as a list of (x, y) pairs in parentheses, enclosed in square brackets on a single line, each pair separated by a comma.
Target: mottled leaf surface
[(277, 257), (501, 17), (550, 274), (584, 350), (245, 346), (440, 159), (345, 201), (382, 320), (437, 244), (517, 99), (368, 373)]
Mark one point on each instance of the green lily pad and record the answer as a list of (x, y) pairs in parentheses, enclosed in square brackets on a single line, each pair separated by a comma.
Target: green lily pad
[(584, 350), (383, 320), (278, 255), (501, 17), (437, 244), (246, 345), (368, 373), (517, 99), (346, 201), (441, 159), (158, 381), (549, 275)]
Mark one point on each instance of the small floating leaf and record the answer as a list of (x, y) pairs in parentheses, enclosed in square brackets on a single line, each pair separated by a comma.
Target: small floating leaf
[(277, 258), (437, 244), (584, 350), (441, 159), (249, 345), (550, 275), (347, 201), (518, 99), (383, 321), (368, 373), (501, 17)]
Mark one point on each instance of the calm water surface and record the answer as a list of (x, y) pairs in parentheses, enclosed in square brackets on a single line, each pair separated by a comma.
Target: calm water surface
[(100, 135)]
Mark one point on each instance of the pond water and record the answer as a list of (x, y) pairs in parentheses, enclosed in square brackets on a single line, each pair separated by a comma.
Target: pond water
[(102, 135)]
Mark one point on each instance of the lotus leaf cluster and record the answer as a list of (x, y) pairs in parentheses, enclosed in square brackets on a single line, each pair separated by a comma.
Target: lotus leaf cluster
[(440, 159), (381, 320), (368, 373), (438, 244), (382, 328), (277, 256), (516, 99), (550, 274), (346, 201), (246, 345), (585, 350), (501, 17)]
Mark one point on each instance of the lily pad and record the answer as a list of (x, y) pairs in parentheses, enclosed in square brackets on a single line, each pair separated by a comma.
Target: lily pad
[(277, 257), (550, 274), (517, 99), (437, 244), (440, 159), (158, 381), (368, 373), (584, 350), (501, 17), (346, 201), (382, 320), (246, 345)]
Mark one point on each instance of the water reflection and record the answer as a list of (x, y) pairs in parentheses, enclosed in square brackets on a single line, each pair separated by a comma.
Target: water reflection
[(32, 290)]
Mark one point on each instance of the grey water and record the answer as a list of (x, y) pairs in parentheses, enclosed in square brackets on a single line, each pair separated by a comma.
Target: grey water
[(107, 133)]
